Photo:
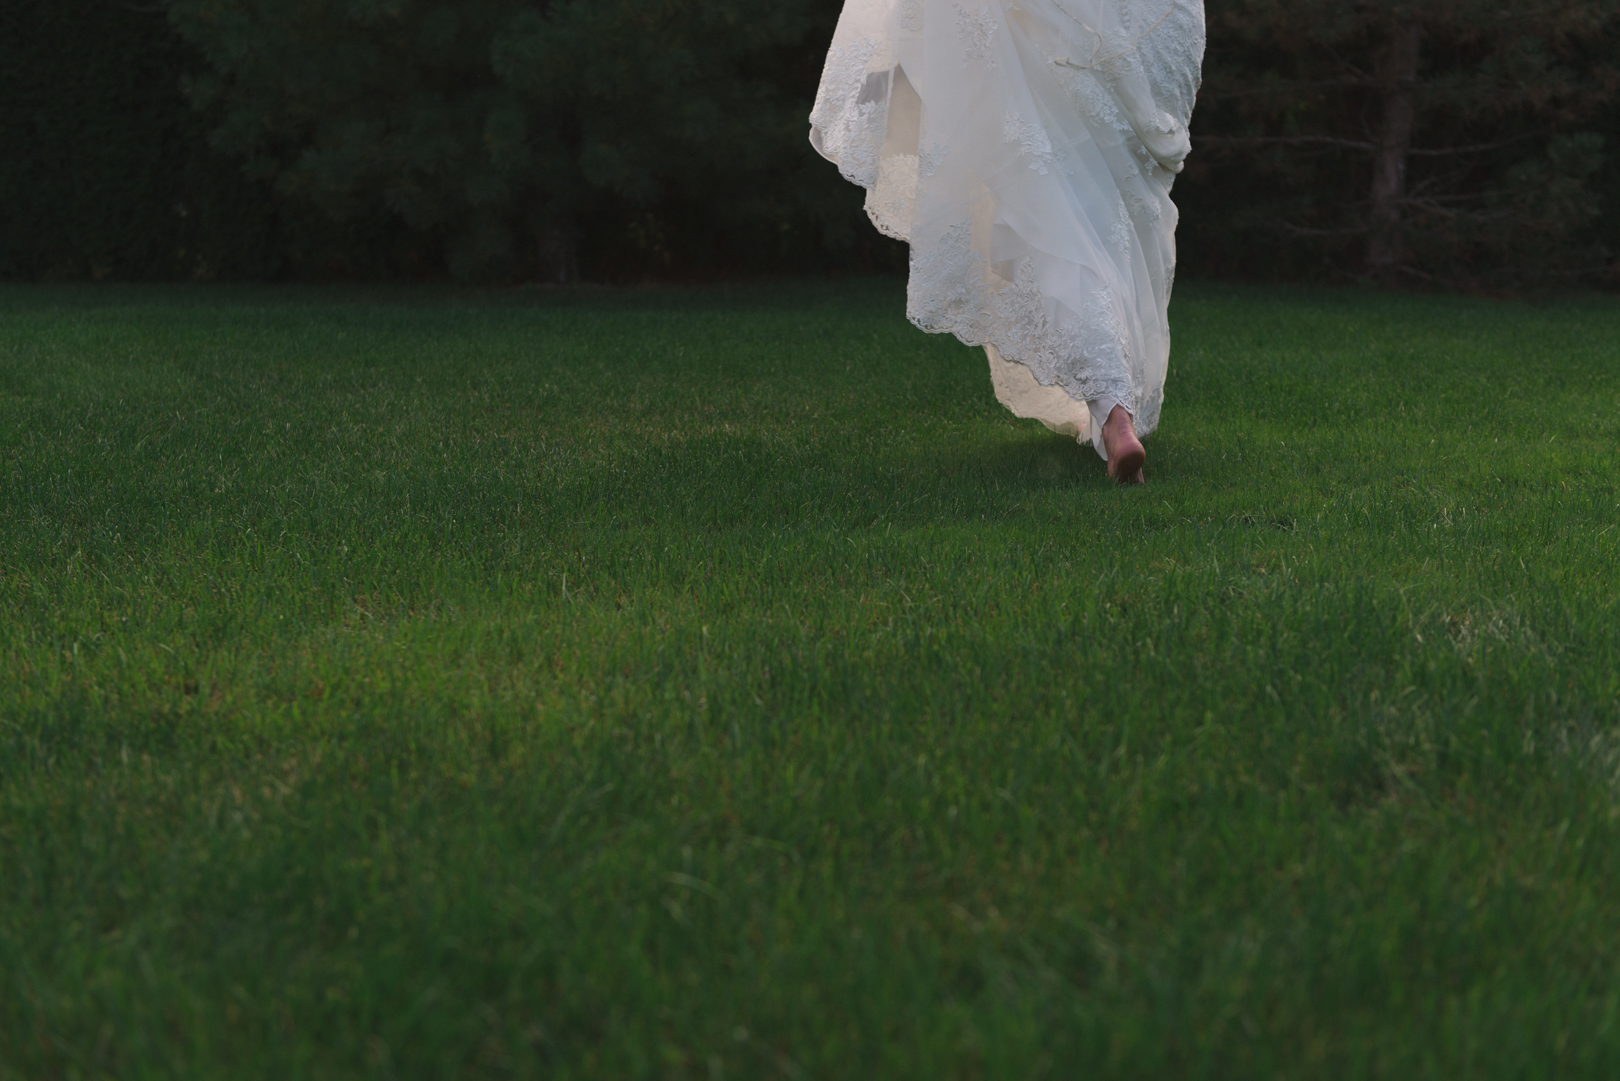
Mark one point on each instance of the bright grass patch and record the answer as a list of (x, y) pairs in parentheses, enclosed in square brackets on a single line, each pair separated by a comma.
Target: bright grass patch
[(720, 684)]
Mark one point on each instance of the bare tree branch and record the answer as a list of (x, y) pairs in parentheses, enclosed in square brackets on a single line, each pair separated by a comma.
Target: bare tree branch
[(1284, 140), (1356, 144), (1291, 87), (1476, 148), (1301, 231)]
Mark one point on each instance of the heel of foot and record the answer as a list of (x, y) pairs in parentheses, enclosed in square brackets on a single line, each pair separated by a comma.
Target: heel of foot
[(1127, 467)]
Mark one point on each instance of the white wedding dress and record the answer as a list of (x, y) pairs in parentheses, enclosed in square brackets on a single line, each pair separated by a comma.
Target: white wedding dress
[(1025, 149)]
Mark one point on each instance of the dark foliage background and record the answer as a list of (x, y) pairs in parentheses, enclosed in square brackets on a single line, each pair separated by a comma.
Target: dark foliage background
[(104, 172), (1450, 141), (1455, 142)]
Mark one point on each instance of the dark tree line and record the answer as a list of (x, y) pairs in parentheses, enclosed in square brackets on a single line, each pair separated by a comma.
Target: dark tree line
[(1453, 139), (1449, 141), (512, 132)]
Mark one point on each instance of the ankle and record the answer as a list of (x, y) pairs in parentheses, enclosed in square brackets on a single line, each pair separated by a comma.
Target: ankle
[(1119, 423)]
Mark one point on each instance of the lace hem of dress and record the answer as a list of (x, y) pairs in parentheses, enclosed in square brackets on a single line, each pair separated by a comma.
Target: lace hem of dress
[(1086, 353), (849, 130), (893, 196)]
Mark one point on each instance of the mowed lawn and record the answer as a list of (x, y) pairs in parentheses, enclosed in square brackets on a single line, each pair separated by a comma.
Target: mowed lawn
[(718, 683)]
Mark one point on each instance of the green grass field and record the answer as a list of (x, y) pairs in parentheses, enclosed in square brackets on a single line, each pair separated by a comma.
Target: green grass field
[(720, 684)]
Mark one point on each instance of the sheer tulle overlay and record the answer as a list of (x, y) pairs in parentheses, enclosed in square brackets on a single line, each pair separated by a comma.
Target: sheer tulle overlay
[(1026, 151)]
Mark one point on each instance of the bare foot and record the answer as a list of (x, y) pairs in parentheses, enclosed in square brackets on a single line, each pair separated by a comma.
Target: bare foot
[(1126, 454)]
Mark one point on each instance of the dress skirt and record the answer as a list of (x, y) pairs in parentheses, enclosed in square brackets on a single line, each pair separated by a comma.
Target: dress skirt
[(1025, 149)]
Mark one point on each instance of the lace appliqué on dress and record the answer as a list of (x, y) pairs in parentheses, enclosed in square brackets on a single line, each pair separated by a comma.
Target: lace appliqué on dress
[(1173, 57), (976, 30), (1144, 208), (1094, 101), (1119, 234), (911, 15), (1032, 141)]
